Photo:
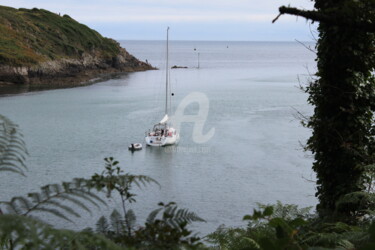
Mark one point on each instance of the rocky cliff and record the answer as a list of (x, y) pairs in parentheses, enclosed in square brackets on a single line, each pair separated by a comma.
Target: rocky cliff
[(40, 47)]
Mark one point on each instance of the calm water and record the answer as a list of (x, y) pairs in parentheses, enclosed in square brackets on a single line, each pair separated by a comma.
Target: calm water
[(254, 155)]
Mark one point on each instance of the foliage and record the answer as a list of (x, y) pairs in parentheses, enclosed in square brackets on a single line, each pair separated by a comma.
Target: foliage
[(18, 232), (28, 37), (159, 233), (165, 228), (286, 227), (12, 147), (113, 179), (344, 97), (343, 138), (58, 200), (369, 178), (270, 227)]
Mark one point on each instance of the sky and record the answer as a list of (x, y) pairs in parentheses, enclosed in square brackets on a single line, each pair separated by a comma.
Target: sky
[(209, 20)]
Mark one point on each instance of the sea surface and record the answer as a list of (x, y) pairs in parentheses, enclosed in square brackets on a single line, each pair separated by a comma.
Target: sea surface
[(253, 97)]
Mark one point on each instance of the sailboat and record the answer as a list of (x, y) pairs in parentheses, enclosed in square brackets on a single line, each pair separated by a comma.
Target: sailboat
[(163, 134)]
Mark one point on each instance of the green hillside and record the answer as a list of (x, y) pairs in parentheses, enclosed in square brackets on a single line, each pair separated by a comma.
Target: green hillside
[(28, 37)]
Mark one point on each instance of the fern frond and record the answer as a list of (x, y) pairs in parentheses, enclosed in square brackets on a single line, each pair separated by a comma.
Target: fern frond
[(287, 211), (56, 200), (173, 216), (36, 197), (10, 169), (52, 211), (140, 180), (88, 196), (27, 233), (22, 202), (10, 208), (75, 201), (13, 154), (10, 163), (182, 216), (231, 238), (13, 151), (63, 207), (151, 217)]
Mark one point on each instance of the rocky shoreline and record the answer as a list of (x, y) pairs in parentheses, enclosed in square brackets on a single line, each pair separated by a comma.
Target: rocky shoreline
[(63, 73), (40, 50)]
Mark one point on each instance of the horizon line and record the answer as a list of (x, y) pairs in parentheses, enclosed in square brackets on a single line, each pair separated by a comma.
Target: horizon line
[(183, 40)]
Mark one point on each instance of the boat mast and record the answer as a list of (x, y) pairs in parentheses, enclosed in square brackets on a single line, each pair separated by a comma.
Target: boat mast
[(198, 61), (167, 75)]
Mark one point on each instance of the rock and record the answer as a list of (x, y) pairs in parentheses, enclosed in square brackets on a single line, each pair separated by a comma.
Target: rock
[(178, 67)]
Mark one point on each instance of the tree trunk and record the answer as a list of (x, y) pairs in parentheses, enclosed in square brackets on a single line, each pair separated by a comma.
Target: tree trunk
[(344, 101)]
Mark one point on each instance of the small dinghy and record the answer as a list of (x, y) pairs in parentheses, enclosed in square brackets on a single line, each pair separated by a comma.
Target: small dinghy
[(135, 146)]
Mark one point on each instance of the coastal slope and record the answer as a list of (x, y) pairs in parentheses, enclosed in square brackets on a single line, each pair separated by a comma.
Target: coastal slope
[(44, 48)]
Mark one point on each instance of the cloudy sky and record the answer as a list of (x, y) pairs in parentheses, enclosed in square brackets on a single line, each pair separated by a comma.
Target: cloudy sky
[(227, 20)]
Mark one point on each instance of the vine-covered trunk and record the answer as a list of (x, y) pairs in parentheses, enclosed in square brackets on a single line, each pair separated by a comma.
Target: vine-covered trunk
[(344, 101)]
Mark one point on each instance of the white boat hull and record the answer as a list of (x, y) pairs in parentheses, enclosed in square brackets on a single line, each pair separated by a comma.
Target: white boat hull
[(161, 141)]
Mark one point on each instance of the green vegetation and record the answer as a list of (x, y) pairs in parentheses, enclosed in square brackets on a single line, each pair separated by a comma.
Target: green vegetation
[(282, 227), (344, 97), (28, 37), (343, 94)]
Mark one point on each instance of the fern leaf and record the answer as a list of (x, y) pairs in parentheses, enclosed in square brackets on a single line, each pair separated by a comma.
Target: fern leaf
[(52, 199), (185, 216), (11, 209), (12, 148), (67, 209), (142, 181), (8, 163), (12, 154), (45, 191), (52, 211), (27, 233), (14, 170), (21, 202), (75, 201), (88, 196), (35, 197), (56, 188), (151, 217), (174, 217)]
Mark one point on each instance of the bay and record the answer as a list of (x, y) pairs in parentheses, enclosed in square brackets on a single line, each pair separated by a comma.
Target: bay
[(255, 155)]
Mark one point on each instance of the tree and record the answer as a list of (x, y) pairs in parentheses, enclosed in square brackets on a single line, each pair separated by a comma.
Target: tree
[(344, 98)]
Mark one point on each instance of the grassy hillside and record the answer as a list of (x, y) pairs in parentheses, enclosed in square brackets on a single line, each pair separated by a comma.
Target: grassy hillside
[(28, 37)]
